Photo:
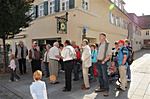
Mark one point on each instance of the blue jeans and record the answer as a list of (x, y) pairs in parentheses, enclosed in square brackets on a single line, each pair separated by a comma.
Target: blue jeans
[(128, 72), (103, 76)]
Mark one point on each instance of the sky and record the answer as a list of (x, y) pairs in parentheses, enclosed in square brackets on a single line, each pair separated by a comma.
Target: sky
[(138, 6)]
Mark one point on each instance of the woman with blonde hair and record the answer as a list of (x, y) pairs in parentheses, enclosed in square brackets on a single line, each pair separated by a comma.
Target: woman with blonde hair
[(38, 87)]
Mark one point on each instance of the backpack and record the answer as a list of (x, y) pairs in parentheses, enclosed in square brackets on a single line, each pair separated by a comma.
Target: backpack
[(130, 55), (130, 58)]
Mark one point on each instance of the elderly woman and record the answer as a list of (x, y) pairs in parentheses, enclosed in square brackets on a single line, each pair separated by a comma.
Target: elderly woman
[(86, 63), (46, 60), (38, 88)]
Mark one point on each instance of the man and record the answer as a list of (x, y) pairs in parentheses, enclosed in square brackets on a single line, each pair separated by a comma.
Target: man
[(86, 63), (76, 66), (104, 53), (21, 54), (122, 62), (54, 56), (130, 58), (35, 57), (68, 55)]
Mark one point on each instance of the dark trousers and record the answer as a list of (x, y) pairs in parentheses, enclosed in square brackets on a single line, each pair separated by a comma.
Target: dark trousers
[(68, 66), (91, 71), (46, 71), (62, 64), (22, 65), (13, 75), (103, 76), (76, 69), (35, 65), (129, 72)]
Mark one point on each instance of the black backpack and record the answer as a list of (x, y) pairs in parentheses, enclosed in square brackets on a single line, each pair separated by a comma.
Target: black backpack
[(130, 58)]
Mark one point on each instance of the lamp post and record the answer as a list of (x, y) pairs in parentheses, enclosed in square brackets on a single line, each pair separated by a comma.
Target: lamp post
[(84, 30)]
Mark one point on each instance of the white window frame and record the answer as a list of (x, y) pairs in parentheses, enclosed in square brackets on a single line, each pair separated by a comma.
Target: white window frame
[(66, 5), (112, 18), (85, 4), (51, 5), (41, 10), (117, 21)]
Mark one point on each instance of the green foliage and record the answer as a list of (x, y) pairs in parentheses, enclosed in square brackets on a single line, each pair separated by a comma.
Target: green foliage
[(14, 16)]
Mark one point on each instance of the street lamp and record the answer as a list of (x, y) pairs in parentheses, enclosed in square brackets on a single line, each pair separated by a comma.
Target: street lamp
[(84, 31)]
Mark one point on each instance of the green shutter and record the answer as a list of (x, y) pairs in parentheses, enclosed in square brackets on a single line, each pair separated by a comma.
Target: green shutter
[(71, 4), (36, 11), (57, 5), (46, 8)]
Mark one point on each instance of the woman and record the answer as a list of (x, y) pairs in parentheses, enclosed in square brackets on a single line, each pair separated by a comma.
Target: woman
[(38, 87), (46, 60), (94, 61), (86, 63)]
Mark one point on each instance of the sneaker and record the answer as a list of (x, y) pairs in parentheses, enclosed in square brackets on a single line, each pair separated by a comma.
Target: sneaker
[(16, 80), (62, 71), (128, 80), (99, 90), (120, 89), (106, 94)]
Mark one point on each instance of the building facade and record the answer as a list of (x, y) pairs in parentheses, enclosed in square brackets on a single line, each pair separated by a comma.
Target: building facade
[(134, 31), (58, 20), (144, 22)]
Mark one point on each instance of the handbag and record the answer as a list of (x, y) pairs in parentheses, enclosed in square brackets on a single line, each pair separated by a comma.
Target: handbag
[(95, 71)]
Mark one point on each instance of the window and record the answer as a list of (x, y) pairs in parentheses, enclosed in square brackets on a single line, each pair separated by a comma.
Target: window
[(117, 2), (147, 32), (51, 6), (41, 10), (121, 22), (117, 21), (125, 26), (112, 18), (64, 5), (85, 4)]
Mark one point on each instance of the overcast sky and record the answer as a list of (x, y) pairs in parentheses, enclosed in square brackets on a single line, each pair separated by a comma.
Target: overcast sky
[(138, 6)]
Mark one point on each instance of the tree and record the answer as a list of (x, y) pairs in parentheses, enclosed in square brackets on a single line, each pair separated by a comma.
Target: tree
[(14, 16)]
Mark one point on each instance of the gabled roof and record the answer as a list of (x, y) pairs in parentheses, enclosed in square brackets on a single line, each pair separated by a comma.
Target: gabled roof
[(144, 21)]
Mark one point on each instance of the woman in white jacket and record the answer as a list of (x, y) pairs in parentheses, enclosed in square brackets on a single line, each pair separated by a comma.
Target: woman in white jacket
[(86, 63)]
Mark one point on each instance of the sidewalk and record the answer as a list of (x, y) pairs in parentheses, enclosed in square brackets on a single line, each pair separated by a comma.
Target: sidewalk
[(139, 88)]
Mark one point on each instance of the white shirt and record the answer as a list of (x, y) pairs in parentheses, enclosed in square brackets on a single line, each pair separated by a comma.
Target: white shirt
[(38, 90), (86, 56), (12, 64), (53, 52), (68, 53)]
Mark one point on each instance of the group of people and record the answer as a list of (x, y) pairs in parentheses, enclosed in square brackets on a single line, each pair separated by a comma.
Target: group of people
[(90, 59)]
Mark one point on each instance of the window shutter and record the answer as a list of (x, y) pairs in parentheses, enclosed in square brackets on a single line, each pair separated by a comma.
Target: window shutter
[(71, 4), (36, 11), (57, 5), (46, 8)]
